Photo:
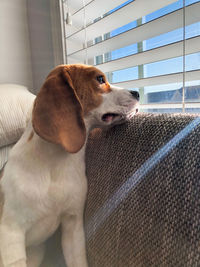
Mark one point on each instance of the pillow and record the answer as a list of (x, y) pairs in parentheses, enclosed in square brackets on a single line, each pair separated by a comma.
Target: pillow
[(4, 152), (15, 110)]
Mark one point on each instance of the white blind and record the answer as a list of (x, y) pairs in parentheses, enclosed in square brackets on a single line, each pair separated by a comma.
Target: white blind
[(152, 46)]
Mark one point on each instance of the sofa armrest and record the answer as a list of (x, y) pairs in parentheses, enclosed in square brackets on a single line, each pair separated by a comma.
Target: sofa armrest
[(15, 110), (152, 218)]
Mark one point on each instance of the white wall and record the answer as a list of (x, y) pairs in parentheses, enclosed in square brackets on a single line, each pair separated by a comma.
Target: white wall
[(15, 56)]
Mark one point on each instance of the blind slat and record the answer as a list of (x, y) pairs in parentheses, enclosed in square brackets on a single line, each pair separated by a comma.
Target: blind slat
[(92, 11), (162, 79), (170, 105), (192, 45), (146, 31), (133, 11), (76, 5)]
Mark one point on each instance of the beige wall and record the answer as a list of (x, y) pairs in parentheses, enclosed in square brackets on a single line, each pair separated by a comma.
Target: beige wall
[(45, 38), (15, 56), (30, 41)]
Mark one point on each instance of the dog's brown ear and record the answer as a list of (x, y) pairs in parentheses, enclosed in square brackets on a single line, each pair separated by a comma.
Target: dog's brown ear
[(57, 112)]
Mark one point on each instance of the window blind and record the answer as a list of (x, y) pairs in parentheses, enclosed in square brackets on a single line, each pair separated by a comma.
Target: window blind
[(150, 46)]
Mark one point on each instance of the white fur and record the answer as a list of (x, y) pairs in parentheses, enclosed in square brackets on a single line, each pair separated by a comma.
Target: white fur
[(44, 186)]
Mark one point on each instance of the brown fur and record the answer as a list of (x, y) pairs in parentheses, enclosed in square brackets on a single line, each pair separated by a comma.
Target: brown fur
[(68, 94), (1, 173), (106, 87), (31, 136)]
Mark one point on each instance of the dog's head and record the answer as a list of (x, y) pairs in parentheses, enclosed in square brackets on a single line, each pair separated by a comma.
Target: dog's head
[(74, 96)]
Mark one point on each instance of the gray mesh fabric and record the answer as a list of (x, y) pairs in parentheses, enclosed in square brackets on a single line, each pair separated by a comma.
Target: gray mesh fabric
[(156, 222)]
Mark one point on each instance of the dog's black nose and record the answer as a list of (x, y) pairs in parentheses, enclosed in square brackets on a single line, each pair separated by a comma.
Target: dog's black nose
[(135, 94)]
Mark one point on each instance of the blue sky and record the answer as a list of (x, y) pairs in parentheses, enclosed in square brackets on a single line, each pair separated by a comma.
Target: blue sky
[(162, 67)]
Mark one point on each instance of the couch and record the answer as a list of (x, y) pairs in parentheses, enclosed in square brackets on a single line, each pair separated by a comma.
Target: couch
[(15, 111), (143, 204)]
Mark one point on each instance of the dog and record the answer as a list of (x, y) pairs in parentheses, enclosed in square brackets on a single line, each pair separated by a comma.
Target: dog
[(44, 184)]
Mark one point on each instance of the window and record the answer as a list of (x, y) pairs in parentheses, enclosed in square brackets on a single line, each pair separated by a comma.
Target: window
[(149, 46)]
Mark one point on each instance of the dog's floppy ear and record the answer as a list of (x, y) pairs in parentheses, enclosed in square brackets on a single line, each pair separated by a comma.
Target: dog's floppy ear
[(57, 112)]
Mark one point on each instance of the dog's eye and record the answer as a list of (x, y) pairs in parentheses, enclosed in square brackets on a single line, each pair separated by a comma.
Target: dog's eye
[(100, 79)]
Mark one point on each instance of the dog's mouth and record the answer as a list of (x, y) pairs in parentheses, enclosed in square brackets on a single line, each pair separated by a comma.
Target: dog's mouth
[(112, 117)]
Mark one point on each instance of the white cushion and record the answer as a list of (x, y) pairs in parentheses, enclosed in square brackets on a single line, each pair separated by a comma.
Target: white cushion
[(15, 110), (4, 152)]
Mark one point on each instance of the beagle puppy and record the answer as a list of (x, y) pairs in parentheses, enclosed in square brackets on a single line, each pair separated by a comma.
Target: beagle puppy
[(44, 184)]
